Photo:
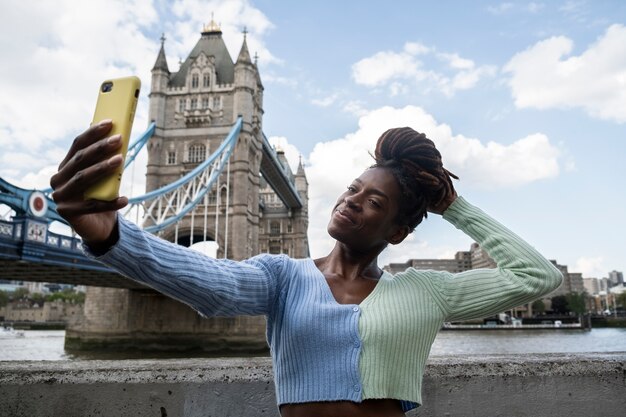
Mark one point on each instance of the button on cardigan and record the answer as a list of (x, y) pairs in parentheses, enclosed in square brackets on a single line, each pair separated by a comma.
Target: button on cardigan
[(326, 351)]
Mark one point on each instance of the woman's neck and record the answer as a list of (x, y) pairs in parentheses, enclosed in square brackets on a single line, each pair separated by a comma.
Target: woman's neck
[(349, 264)]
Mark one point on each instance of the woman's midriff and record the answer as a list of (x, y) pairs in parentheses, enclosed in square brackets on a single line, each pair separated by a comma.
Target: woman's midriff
[(367, 408)]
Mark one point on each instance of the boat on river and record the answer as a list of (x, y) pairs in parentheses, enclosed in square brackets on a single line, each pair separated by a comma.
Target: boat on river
[(8, 331)]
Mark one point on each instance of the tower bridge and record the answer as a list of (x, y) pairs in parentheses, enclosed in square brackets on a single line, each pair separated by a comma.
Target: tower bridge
[(212, 175)]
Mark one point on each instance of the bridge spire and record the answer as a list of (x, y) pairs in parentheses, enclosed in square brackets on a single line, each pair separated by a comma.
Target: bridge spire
[(244, 54), (212, 27), (161, 61)]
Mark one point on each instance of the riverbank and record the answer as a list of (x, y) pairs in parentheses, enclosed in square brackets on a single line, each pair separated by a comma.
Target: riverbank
[(35, 325), (576, 385), (50, 345), (608, 322)]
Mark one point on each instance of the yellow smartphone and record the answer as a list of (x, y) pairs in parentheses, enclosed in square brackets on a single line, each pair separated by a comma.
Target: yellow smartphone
[(117, 100)]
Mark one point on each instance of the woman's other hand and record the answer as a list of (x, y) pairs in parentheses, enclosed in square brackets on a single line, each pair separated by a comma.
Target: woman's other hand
[(445, 203)]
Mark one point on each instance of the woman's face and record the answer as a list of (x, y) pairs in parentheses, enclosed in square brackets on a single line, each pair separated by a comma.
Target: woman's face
[(364, 216)]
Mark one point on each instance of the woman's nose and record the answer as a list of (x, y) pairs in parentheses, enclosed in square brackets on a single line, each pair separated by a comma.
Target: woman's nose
[(352, 202)]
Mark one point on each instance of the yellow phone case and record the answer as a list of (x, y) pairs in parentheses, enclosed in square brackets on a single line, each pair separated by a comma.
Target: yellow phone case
[(117, 100)]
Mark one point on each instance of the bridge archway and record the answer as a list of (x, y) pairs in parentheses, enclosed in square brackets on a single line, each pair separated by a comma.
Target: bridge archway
[(184, 236)]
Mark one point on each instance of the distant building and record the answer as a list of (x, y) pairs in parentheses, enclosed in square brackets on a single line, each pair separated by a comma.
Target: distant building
[(279, 230), (572, 282), (463, 261), (480, 258), (595, 286), (592, 285), (616, 278), (603, 284), (50, 311)]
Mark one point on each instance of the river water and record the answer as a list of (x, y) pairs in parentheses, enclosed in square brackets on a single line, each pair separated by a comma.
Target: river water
[(48, 345)]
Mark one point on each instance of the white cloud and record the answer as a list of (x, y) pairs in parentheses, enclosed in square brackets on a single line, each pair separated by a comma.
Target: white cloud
[(577, 10), (49, 79), (325, 101), (335, 163), (500, 8), (590, 267), (416, 48), (402, 72), (546, 76), (508, 7), (275, 79), (232, 16), (355, 107), (455, 61), (291, 152), (384, 66)]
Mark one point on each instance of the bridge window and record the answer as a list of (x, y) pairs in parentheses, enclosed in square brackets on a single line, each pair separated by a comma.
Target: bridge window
[(194, 81), (289, 228), (206, 80), (274, 248), (182, 103), (275, 228), (194, 103), (171, 158), (197, 153), (205, 102), (217, 102)]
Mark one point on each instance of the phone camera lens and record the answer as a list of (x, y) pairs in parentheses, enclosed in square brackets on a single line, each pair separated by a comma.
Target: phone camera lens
[(107, 86)]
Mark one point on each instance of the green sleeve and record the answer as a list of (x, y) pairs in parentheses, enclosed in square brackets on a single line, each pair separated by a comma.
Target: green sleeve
[(521, 276)]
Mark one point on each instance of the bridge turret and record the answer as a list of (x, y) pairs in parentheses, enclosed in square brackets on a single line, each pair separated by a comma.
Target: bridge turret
[(301, 216), (160, 80), (245, 86)]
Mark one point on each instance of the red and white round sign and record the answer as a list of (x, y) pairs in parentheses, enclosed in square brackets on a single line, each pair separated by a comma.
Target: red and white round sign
[(38, 204)]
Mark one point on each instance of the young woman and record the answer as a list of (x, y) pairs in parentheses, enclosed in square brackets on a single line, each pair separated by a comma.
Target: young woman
[(346, 338)]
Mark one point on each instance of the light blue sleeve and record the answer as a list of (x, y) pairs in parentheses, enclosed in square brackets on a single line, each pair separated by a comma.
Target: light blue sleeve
[(213, 287)]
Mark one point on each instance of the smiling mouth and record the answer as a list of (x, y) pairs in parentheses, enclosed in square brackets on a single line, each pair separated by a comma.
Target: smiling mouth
[(345, 216)]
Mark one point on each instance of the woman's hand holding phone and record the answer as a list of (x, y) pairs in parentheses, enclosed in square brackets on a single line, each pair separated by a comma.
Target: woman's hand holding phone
[(93, 156), (86, 187)]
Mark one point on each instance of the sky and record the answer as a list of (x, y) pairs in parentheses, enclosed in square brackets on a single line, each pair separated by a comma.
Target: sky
[(525, 100)]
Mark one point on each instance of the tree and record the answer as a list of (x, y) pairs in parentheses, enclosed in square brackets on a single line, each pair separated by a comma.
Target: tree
[(20, 293), (576, 302), (37, 298), (539, 307), (620, 299), (67, 294), (559, 304), (4, 298)]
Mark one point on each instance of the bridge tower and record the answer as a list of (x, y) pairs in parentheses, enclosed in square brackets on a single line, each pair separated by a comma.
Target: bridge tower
[(194, 109)]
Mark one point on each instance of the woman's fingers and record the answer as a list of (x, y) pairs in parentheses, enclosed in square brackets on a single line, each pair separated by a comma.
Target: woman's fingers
[(93, 134), (72, 209), (71, 185), (85, 158)]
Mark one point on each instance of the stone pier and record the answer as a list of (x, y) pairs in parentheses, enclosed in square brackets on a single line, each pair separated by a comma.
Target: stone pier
[(548, 385), (120, 319)]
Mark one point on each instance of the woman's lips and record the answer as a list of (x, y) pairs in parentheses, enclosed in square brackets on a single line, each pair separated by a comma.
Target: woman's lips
[(345, 216)]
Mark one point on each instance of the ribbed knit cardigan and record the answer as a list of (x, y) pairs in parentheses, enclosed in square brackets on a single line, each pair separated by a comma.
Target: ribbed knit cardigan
[(326, 351)]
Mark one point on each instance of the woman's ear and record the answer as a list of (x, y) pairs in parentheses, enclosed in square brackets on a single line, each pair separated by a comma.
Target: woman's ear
[(399, 235)]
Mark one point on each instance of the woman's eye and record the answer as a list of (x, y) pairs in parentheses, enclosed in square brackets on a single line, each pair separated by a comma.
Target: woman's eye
[(351, 188), (375, 203)]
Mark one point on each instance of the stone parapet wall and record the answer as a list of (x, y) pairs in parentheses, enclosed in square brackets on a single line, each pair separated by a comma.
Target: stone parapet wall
[(573, 385)]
